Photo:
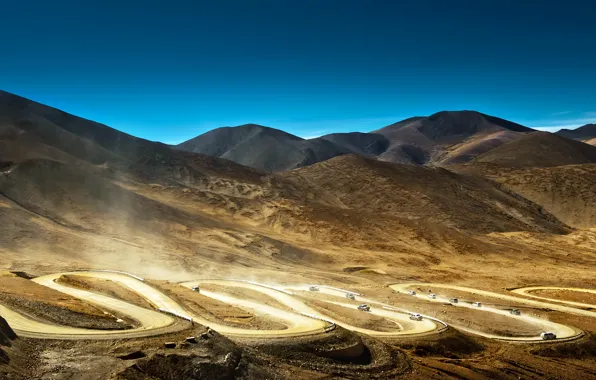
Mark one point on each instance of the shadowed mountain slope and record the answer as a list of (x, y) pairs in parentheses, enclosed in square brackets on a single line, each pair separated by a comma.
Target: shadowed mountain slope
[(263, 148), (446, 137), (583, 133), (443, 138)]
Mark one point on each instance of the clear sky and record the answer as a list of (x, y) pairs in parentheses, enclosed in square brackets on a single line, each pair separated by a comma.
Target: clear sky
[(171, 70)]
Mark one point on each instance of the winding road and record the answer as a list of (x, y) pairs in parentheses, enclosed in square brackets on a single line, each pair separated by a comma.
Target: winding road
[(563, 332), (297, 315)]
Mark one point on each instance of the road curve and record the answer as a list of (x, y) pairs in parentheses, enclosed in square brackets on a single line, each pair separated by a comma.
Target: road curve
[(297, 324), (526, 291), (406, 326), (563, 332), (151, 322)]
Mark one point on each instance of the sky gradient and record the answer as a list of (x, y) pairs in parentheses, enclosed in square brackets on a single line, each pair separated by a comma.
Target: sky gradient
[(169, 71)]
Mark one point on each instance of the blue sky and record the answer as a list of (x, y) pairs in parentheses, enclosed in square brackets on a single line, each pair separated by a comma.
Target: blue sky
[(172, 70)]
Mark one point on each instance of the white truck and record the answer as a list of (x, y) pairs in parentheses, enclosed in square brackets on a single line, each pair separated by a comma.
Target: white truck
[(196, 288), (411, 292), (548, 335), (416, 317), (432, 296), (453, 300), (477, 304), (515, 312)]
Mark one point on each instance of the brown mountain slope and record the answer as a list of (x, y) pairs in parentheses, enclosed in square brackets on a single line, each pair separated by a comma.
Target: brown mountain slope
[(567, 192), (540, 149), (446, 137), (434, 195)]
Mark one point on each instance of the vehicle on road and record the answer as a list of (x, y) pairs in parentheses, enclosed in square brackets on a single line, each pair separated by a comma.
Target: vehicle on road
[(515, 312), (548, 335), (350, 296), (196, 288), (416, 317), (411, 292), (313, 288), (453, 300), (477, 304), (364, 307), (432, 296)]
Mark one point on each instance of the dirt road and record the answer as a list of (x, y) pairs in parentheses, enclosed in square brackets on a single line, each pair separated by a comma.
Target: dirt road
[(563, 332), (527, 292)]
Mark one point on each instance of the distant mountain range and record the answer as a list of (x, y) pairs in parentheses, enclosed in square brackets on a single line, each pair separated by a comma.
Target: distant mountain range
[(444, 138), (586, 133)]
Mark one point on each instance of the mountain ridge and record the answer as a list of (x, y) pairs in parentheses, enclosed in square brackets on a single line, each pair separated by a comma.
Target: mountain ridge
[(417, 140)]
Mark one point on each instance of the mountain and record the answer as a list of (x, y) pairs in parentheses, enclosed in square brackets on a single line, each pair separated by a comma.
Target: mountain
[(263, 148), (584, 133), (540, 149), (443, 138), (446, 137)]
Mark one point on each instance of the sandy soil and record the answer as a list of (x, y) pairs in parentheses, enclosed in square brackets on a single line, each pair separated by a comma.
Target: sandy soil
[(49, 305), (103, 286), (217, 311), (567, 295), (354, 317), (245, 293)]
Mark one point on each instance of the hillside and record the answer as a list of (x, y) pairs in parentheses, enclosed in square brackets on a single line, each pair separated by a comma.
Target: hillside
[(88, 201), (446, 137), (567, 192), (583, 133), (540, 149), (262, 148), (433, 195)]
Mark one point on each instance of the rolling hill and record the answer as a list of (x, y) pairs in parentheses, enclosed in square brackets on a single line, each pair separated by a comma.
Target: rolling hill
[(447, 137), (427, 194), (83, 190), (567, 192), (263, 148), (540, 149), (440, 139)]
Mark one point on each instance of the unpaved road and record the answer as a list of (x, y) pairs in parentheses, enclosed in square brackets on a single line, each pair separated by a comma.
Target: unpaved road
[(285, 297), (151, 322), (563, 332), (526, 291), (301, 319)]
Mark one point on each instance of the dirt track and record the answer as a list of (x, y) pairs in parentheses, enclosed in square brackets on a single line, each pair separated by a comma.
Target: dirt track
[(300, 318), (563, 332)]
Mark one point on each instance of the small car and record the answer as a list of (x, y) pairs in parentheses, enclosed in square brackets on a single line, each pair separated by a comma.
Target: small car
[(313, 288), (453, 300), (416, 317), (196, 288), (350, 296), (364, 307), (411, 292), (515, 312), (477, 304), (548, 335), (432, 296)]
